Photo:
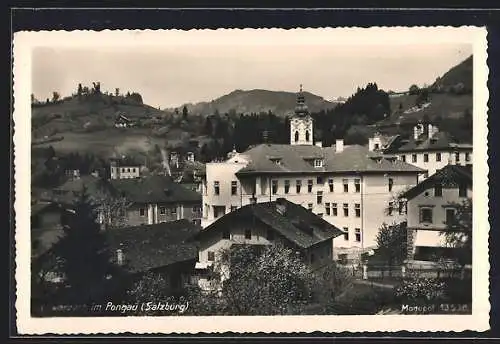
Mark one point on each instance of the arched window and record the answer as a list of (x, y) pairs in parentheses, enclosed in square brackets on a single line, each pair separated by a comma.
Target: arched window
[(307, 135), (296, 136)]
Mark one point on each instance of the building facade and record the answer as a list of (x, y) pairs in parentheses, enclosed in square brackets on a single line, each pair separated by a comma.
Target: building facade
[(432, 206), (158, 199), (270, 223), (124, 168), (431, 150), (351, 187)]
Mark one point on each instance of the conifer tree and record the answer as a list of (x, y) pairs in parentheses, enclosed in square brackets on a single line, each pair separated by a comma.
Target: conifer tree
[(83, 256)]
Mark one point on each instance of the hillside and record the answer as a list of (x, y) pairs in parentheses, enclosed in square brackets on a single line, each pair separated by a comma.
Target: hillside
[(87, 113), (460, 74), (448, 102), (256, 101)]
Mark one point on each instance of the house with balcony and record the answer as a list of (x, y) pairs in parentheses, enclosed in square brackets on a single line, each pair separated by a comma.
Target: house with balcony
[(432, 206), (351, 187)]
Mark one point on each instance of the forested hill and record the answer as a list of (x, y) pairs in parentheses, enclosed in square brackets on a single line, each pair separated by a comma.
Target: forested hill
[(257, 101)]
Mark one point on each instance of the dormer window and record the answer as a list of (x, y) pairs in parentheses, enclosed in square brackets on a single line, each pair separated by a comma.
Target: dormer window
[(318, 163), (277, 161)]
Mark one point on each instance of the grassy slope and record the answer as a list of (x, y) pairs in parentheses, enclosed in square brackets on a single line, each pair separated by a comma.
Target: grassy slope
[(73, 115)]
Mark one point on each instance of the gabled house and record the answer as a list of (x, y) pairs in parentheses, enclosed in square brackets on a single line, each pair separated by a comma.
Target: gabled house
[(280, 221), (431, 207), (125, 167)]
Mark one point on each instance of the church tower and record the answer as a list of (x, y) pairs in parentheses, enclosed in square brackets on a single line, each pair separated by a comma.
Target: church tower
[(301, 124)]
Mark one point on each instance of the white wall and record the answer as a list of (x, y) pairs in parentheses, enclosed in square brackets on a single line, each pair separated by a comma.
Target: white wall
[(447, 157), (373, 198)]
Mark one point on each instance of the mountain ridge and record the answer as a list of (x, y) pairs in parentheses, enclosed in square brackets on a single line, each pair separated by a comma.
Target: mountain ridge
[(257, 100)]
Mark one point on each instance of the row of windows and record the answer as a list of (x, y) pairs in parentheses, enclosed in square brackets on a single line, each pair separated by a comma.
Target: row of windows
[(462, 190), (437, 157), (172, 211), (226, 234), (128, 169), (298, 185), (357, 234), (426, 215), (333, 211)]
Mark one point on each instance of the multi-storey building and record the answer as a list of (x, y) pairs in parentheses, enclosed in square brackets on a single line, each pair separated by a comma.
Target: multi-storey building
[(430, 149), (124, 168), (158, 199), (351, 187), (432, 206), (150, 200)]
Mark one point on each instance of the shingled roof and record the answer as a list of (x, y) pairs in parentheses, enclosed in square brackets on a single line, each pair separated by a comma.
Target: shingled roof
[(154, 189), (275, 158), (153, 246), (295, 223), (448, 176)]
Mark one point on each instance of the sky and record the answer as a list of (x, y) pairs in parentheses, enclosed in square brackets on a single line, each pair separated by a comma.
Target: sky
[(169, 74)]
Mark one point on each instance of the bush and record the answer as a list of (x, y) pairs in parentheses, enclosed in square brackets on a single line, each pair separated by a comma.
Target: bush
[(417, 290)]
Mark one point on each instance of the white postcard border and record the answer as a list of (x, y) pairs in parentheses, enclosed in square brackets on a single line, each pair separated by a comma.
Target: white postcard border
[(24, 42)]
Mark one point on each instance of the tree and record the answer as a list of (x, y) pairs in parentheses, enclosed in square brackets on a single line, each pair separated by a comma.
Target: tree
[(33, 99), (55, 96), (414, 89), (117, 91), (423, 97), (458, 233), (112, 208), (392, 243), (249, 282), (80, 90), (184, 112), (83, 257), (151, 286)]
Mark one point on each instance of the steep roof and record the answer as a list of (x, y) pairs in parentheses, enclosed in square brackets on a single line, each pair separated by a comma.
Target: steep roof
[(296, 223), (152, 246), (154, 189), (353, 158), (439, 141), (448, 176)]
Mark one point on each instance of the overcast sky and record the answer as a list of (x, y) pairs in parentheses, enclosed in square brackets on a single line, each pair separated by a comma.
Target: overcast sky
[(169, 75)]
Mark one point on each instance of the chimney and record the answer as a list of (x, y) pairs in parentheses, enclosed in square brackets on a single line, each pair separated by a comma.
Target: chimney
[(430, 130), (371, 144), (339, 146), (281, 206), (119, 256), (416, 132)]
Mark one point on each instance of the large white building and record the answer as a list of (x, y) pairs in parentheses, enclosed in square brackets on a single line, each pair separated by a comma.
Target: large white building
[(352, 187)]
